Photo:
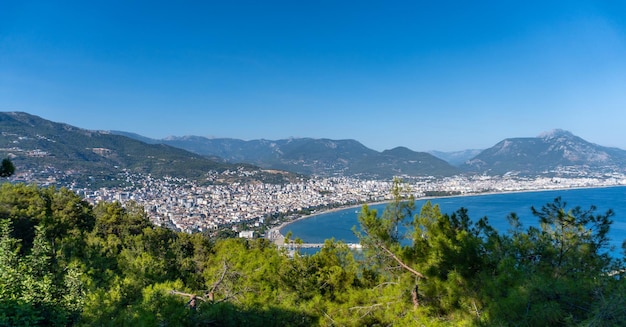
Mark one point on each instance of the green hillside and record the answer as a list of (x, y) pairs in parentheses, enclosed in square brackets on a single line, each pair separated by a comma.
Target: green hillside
[(34, 143)]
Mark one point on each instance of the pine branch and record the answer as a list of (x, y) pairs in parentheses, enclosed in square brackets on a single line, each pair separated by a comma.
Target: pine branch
[(220, 280), (404, 265), (187, 294)]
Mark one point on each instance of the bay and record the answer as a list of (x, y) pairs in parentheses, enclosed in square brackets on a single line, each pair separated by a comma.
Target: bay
[(496, 207)]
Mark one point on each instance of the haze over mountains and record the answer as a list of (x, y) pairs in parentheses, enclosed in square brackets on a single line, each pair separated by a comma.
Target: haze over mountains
[(310, 156), (543, 154), (456, 158), (33, 142)]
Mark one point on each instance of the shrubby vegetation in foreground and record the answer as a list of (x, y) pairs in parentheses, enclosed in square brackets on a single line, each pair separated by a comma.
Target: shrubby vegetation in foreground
[(64, 262)]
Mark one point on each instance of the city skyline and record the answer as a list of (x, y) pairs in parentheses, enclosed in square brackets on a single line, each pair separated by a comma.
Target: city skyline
[(426, 77)]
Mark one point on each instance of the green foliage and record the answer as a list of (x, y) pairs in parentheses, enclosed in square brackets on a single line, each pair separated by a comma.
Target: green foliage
[(6, 168), (64, 262), (25, 207), (33, 289), (457, 270), (559, 273)]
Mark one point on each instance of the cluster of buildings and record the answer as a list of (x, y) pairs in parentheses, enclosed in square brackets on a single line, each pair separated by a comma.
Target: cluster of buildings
[(186, 206), (178, 203)]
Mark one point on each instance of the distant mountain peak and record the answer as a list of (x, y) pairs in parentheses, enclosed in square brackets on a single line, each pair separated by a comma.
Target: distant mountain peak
[(555, 133), (399, 149)]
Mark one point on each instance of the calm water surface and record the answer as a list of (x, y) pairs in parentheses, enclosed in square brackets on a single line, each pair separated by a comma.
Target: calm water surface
[(496, 207)]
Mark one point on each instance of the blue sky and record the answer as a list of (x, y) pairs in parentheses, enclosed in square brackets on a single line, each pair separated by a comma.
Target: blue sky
[(447, 76)]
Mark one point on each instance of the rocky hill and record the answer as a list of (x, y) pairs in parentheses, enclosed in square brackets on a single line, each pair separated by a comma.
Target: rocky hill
[(547, 152)]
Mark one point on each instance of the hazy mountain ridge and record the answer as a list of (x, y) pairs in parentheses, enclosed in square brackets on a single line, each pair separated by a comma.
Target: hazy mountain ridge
[(33, 142), (456, 158), (526, 155), (324, 157)]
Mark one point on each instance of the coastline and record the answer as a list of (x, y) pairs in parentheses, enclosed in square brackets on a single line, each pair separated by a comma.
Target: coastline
[(278, 238)]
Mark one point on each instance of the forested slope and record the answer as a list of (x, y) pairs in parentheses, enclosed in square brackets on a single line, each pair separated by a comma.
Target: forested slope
[(65, 262)]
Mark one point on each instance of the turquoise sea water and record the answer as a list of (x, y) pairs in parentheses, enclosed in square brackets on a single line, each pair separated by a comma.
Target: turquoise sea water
[(496, 207)]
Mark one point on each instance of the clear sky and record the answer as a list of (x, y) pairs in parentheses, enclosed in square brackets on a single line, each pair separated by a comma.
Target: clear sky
[(447, 76)]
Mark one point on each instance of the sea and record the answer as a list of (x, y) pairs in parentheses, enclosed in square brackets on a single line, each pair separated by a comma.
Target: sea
[(496, 207)]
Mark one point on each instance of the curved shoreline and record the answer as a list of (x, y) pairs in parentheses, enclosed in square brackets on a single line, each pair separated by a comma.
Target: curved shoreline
[(278, 237)]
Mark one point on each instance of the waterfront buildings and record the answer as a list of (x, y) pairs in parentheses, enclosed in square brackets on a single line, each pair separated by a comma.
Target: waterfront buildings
[(186, 206)]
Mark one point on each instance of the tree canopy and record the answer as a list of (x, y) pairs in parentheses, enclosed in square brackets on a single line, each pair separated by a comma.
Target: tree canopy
[(6, 168), (64, 262)]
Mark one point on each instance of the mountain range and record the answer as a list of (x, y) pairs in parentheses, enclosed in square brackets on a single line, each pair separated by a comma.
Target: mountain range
[(323, 157), (34, 143), (549, 152)]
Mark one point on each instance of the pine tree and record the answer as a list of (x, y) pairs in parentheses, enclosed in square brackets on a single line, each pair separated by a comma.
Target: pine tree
[(6, 168)]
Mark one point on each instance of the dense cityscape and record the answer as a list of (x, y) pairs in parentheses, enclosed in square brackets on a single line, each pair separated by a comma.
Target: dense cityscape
[(183, 205)]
